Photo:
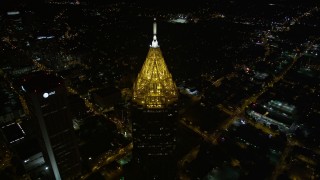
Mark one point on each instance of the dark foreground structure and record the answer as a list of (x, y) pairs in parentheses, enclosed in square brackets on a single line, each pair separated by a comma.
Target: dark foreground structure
[(46, 98)]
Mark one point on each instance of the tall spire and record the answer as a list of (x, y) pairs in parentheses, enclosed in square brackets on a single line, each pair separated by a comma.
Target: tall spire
[(154, 27), (154, 43)]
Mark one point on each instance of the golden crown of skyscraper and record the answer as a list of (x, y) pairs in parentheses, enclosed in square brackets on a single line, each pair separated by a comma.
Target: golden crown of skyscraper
[(154, 87)]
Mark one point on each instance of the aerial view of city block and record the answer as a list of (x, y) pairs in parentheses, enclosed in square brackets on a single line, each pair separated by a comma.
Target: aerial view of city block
[(159, 90)]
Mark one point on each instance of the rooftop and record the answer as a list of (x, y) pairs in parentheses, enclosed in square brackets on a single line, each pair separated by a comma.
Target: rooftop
[(39, 82), (13, 132)]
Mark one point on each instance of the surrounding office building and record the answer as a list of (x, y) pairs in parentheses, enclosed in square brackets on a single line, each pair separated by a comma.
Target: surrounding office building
[(280, 114), (154, 116), (46, 99)]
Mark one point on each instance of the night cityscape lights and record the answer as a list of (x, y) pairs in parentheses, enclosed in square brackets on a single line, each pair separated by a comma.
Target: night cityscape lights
[(87, 93)]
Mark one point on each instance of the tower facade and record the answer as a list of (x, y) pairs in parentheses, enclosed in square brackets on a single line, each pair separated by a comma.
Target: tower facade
[(154, 116), (46, 98)]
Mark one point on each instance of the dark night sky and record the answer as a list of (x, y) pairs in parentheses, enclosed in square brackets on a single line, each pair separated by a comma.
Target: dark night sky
[(18, 4), (13, 4)]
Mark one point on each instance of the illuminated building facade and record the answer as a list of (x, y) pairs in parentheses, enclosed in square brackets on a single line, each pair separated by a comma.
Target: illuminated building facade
[(154, 87), (154, 116), (46, 98)]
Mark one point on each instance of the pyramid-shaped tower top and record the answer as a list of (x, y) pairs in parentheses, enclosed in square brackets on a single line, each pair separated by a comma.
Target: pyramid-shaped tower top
[(154, 87)]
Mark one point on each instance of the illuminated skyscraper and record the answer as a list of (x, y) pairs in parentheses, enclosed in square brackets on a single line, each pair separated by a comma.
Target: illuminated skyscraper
[(46, 98), (154, 87), (154, 116)]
